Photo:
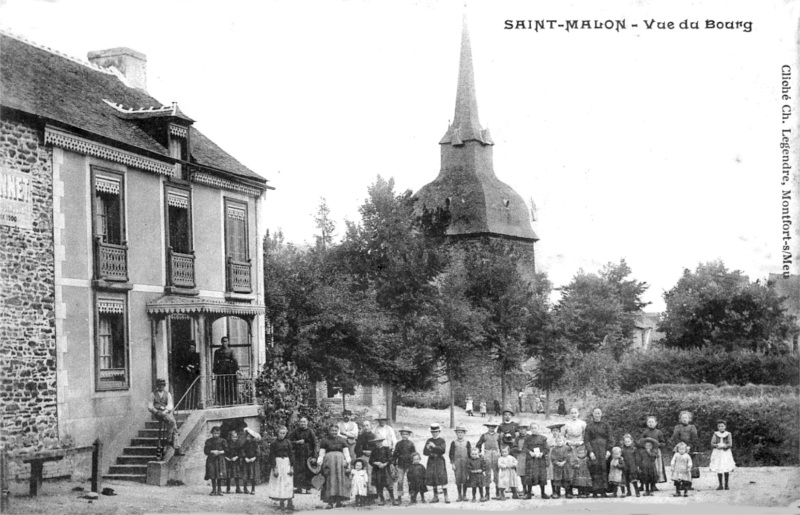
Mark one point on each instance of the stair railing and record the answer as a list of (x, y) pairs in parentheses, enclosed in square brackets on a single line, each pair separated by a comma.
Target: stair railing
[(188, 401)]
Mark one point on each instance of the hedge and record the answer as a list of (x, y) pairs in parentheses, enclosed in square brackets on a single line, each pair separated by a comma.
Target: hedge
[(660, 365), (750, 390), (766, 430)]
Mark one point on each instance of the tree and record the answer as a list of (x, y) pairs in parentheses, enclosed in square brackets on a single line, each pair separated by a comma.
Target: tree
[(325, 226), (496, 287), (600, 309), (714, 306), (395, 253)]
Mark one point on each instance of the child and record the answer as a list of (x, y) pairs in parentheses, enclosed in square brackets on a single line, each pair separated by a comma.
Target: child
[(555, 430), (483, 409), (381, 461), (561, 458), (518, 451), (615, 472), (436, 471), (681, 470), (281, 460), (653, 432), (459, 454), (685, 432), (721, 457), (215, 463), (630, 471), (536, 461), (403, 452), (416, 479), (489, 444), (477, 474), (508, 443), (647, 465), (469, 407), (233, 463), (358, 483), (508, 473), (581, 476), (250, 452)]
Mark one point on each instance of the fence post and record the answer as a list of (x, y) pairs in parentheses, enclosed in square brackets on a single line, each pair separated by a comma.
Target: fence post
[(4, 492), (97, 451)]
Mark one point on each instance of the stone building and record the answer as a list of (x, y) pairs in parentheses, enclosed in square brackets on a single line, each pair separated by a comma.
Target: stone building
[(483, 210), (129, 245)]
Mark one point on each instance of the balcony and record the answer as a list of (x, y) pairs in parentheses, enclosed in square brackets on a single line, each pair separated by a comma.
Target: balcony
[(181, 269), (238, 276)]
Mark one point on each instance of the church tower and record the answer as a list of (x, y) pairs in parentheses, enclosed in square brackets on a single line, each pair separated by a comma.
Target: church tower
[(483, 209)]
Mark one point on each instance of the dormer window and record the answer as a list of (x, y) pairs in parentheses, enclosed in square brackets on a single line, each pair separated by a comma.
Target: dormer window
[(179, 148)]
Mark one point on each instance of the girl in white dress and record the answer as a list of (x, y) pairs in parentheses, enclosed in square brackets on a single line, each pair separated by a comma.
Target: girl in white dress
[(721, 457), (359, 481)]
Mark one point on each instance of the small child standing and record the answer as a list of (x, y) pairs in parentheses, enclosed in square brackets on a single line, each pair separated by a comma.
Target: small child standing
[(681, 470), (281, 460), (536, 461), (483, 409), (359, 481), (215, 463), (581, 476), (721, 457), (459, 454), (381, 461), (403, 452), (652, 431), (416, 479), (647, 465), (615, 472), (508, 473), (233, 462), (630, 471), (561, 457), (477, 474), (250, 452)]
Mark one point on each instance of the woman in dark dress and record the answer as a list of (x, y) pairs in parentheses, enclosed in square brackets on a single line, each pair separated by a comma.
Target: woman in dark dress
[(436, 469), (335, 458), (686, 432), (599, 441)]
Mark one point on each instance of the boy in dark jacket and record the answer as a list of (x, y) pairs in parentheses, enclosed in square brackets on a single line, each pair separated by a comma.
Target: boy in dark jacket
[(416, 479), (215, 448)]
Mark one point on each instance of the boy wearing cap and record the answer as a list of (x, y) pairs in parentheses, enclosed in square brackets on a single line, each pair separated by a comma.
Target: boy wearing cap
[(489, 444), (436, 471), (459, 454), (508, 426), (381, 461), (215, 448), (403, 459), (161, 407)]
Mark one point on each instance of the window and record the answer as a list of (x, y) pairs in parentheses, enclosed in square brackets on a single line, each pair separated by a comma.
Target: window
[(239, 341), (108, 225), (111, 344), (180, 253), (237, 259)]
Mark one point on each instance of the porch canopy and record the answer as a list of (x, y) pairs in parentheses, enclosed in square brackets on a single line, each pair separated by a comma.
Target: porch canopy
[(203, 311)]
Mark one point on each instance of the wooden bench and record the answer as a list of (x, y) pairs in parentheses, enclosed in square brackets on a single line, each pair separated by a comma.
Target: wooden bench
[(38, 460)]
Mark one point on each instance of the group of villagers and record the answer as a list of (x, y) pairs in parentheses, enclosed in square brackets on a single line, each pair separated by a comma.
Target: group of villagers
[(369, 464)]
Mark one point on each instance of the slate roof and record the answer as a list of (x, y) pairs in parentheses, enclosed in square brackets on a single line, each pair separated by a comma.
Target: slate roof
[(65, 90)]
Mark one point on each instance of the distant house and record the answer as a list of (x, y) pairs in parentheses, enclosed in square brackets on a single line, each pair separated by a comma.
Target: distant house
[(789, 287), (130, 245), (646, 331)]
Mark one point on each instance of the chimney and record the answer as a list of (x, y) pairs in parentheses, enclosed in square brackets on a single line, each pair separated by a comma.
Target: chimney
[(131, 63)]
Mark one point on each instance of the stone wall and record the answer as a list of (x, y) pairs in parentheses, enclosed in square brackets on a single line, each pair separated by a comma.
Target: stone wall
[(27, 299)]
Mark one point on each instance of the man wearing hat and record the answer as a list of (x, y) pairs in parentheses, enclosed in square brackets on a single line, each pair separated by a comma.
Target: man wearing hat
[(161, 407), (508, 426), (386, 432), (489, 444), (403, 459), (349, 431)]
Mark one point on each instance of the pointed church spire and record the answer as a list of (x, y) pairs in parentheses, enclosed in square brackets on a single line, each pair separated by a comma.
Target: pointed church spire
[(466, 124)]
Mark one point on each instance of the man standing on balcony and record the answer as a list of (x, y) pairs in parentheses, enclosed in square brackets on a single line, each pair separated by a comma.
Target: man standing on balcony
[(161, 407), (225, 368)]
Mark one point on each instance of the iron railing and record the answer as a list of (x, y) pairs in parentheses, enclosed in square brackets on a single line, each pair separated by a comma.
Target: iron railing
[(191, 399), (239, 276), (230, 390), (111, 261), (181, 267)]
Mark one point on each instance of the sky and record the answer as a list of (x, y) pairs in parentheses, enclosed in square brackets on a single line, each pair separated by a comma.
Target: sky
[(659, 146)]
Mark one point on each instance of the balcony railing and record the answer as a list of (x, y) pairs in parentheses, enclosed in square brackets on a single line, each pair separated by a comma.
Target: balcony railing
[(230, 390), (111, 261), (239, 276), (181, 268)]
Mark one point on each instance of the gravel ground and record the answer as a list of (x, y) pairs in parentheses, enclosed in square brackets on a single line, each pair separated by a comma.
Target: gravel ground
[(753, 490)]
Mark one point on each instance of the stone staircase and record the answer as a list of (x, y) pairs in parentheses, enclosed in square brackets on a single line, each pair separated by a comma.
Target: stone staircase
[(132, 465)]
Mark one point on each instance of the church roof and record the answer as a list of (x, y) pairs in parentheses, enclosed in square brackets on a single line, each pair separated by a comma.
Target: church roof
[(98, 102), (479, 202)]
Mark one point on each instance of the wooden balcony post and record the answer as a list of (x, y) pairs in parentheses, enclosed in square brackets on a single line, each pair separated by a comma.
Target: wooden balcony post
[(202, 346)]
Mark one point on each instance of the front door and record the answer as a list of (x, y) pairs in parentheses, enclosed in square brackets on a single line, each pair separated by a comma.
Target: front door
[(184, 359)]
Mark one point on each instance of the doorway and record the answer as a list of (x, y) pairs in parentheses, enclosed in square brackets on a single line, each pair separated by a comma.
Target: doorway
[(184, 359)]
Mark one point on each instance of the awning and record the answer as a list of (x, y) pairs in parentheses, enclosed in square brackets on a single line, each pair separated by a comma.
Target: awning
[(172, 304)]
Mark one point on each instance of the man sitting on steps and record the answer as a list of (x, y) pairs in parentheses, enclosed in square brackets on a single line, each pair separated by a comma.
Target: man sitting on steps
[(161, 407)]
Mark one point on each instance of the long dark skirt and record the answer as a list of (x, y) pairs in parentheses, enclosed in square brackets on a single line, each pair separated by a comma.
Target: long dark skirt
[(535, 471), (337, 483), (436, 471)]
